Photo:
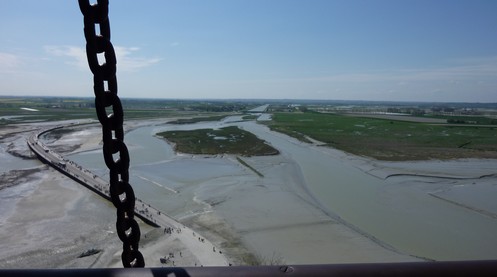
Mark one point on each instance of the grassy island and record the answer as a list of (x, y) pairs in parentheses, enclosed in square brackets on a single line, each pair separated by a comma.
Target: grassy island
[(228, 140)]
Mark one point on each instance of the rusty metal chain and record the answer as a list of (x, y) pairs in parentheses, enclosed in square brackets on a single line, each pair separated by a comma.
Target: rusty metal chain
[(121, 192)]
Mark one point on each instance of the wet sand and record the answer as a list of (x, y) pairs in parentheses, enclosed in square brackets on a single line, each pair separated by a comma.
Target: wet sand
[(274, 219), (53, 221), (279, 219)]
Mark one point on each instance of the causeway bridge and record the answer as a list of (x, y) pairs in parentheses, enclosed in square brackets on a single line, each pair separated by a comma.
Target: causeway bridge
[(204, 250), (90, 180)]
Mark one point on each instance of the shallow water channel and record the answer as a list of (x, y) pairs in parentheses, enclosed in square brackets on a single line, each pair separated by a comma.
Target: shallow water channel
[(399, 214)]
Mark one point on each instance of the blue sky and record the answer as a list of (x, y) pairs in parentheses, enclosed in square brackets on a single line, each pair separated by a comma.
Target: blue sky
[(435, 50)]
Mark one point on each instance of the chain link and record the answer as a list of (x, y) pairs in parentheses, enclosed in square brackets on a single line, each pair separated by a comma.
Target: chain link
[(121, 192)]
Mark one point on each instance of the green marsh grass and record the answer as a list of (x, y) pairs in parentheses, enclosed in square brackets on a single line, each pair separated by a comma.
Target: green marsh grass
[(390, 139)]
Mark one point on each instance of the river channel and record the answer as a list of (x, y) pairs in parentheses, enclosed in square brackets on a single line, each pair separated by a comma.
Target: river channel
[(399, 214)]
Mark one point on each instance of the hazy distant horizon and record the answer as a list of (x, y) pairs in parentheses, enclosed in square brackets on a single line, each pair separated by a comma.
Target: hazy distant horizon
[(262, 100)]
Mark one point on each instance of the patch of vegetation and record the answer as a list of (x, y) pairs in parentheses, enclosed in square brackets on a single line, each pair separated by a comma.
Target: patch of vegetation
[(198, 119), (228, 140), (388, 139)]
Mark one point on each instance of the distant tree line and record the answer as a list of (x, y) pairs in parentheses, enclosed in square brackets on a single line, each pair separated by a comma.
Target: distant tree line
[(472, 121), (217, 107), (411, 111)]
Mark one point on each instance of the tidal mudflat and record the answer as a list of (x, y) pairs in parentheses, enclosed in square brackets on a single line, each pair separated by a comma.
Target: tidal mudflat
[(312, 204)]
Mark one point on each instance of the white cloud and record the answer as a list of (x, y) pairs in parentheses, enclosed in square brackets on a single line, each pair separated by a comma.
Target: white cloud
[(76, 54), (127, 62), (125, 57)]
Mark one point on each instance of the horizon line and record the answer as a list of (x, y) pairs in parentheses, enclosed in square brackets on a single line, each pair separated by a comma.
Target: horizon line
[(258, 99)]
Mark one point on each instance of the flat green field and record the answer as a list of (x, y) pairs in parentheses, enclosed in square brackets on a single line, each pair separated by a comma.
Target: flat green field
[(15, 110), (389, 139), (229, 140)]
